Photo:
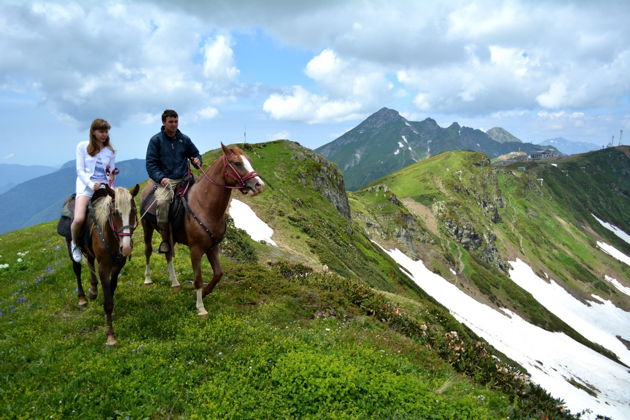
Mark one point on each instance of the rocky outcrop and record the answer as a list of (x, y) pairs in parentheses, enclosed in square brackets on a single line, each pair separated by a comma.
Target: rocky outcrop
[(398, 225), (322, 176)]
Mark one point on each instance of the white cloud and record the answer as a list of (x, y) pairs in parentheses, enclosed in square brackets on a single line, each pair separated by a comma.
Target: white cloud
[(279, 135), (8, 156), (207, 113), (218, 65), (112, 61), (350, 90), (301, 105), (124, 60)]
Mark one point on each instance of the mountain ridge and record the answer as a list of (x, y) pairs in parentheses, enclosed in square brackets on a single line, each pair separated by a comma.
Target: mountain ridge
[(386, 141)]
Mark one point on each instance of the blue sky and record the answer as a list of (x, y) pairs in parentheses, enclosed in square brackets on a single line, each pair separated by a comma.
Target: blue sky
[(307, 70)]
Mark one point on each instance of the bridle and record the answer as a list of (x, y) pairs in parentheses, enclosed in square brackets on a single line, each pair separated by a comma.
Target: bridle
[(118, 233), (230, 171)]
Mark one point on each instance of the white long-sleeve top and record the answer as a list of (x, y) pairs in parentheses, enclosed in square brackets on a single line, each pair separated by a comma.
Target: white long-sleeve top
[(86, 164)]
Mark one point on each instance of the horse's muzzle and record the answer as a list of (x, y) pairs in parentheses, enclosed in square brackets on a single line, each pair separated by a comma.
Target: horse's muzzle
[(253, 188)]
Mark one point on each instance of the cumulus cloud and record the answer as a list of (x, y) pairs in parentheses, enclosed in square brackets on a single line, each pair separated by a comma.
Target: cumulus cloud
[(461, 57), (350, 89), (115, 61), (218, 65)]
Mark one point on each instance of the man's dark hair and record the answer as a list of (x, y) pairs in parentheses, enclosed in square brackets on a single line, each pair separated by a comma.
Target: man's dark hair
[(168, 113)]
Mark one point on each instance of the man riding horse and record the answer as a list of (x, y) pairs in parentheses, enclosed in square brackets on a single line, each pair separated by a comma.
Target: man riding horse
[(167, 165)]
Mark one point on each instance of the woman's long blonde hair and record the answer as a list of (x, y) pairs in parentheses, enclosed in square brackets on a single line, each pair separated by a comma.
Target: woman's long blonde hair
[(98, 124)]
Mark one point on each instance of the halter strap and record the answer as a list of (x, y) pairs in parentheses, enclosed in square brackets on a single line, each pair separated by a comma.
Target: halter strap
[(234, 173)]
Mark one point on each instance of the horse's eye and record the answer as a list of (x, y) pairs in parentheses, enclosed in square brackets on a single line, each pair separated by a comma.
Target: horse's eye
[(239, 164)]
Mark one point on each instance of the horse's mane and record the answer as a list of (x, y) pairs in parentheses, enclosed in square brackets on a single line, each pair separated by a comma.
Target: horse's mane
[(102, 205)]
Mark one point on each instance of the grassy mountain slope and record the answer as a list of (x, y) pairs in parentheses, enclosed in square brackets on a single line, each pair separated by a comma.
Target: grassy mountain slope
[(281, 340), (485, 216)]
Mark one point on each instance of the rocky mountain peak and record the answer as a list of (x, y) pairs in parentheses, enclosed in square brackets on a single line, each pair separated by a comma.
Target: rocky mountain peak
[(381, 117), (501, 135)]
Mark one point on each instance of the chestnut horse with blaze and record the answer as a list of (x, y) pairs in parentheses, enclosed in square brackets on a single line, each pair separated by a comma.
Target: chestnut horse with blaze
[(204, 220), (112, 220)]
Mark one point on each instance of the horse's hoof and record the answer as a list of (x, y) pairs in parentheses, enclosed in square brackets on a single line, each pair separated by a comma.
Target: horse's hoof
[(176, 288), (148, 283), (111, 341), (82, 303), (202, 313)]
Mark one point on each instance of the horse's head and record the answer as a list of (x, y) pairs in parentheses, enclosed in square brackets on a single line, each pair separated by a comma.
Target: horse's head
[(239, 172), (123, 217)]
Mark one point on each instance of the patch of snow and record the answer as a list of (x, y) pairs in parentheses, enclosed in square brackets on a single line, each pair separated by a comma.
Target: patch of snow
[(618, 285), (402, 146), (245, 218), (600, 322), (614, 229), (404, 139), (396, 152), (552, 359), (614, 252), (478, 145), (453, 271), (554, 165)]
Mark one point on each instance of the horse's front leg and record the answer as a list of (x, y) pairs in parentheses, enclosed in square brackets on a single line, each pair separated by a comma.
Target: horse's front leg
[(195, 258), (93, 292), (108, 283), (217, 273)]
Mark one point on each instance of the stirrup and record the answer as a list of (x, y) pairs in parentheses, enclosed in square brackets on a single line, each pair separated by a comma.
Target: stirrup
[(164, 247)]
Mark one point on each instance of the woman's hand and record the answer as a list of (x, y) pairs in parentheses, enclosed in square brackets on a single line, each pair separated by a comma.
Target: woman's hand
[(97, 185)]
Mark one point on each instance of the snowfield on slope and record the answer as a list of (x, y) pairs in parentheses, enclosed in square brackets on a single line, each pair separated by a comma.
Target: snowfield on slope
[(552, 359)]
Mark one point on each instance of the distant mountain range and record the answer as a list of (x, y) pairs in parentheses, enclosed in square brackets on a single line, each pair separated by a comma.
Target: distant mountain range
[(39, 199), (386, 142), (569, 147), (13, 174)]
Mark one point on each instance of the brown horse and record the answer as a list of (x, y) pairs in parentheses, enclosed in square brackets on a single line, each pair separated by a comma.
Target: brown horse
[(112, 221), (204, 221)]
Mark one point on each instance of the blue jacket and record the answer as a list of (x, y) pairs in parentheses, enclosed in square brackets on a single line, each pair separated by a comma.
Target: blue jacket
[(168, 157)]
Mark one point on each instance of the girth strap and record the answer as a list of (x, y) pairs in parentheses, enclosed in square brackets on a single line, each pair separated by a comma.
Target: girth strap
[(214, 239)]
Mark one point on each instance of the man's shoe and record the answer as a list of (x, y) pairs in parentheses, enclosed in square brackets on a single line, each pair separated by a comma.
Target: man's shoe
[(164, 248), (76, 252)]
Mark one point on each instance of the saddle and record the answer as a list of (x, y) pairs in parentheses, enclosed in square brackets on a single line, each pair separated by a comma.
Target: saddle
[(67, 215), (176, 212)]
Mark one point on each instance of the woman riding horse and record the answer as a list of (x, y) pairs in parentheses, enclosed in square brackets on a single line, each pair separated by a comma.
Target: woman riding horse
[(204, 221), (112, 214)]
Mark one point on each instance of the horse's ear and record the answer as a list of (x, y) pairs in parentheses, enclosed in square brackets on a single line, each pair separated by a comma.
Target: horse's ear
[(110, 191), (134, 190), (226, 151)]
